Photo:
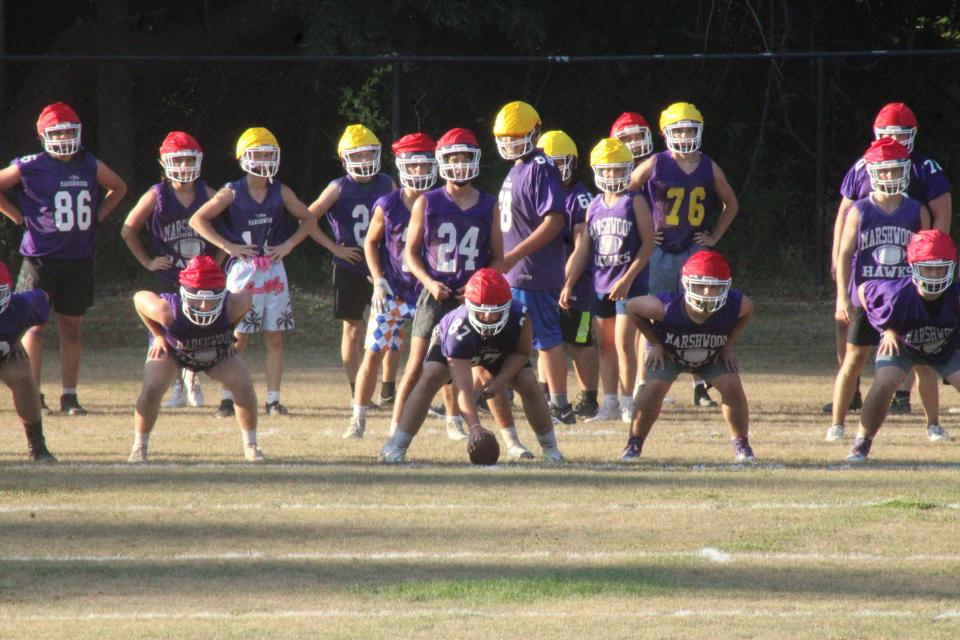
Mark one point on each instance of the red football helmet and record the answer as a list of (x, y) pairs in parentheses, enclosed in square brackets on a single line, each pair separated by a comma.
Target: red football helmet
[(488, 292), (412, 150), (896, 120), (702, 269), (932, 248), (181, 157), (454, 142), (886, 154), (59, 129), (202, 290), (6, 287), (632, 129)]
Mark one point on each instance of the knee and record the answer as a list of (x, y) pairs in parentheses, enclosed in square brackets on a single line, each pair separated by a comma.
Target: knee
[(273, 340), (69, 331)]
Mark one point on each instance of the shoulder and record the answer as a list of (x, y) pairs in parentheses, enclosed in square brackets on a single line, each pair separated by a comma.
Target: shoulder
[(28, 160), (388, 200)]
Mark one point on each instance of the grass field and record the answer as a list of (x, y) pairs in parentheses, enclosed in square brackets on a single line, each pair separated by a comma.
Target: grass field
[(324, 543)]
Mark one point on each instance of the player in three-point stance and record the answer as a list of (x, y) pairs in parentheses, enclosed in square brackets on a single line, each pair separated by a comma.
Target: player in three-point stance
[(193, 329), (693, 331), (489, 334), (60, 208), (918, 318)]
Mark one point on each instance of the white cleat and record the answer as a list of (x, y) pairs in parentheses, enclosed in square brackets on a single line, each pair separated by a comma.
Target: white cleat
[(517, 452), (835, 433), (457, 429), (137, 456), (252, 453), (626, 413), (553, 455), (392, 454), (177, 399), (355, 430), (191, 382), (936, 433), (606, 412)]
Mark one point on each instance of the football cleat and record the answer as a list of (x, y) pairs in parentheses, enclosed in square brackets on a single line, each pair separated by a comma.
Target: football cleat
[(457, 429), (384, 403), (742, 452), (936, 433), (355, 430), (392, 454), (900, 405), (252, 453), (44, 409), (563, 415), (71, 406), (437, 411), (225, 410), (177, 397), (860, 450), (517, 452), (606, 412), (585, 407), (138, 455), (631, 452), (855, 404), (191, 382), (38, 452), (275, 409), (701, 398), (552, 455), (835, 433), (626, 410)]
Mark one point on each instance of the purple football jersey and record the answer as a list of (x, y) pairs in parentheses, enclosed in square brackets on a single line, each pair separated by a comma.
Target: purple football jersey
[(59, 202), (927, 328), (350, 216), (927, 180), (455, 242), (26, 309), (247, 221), (170, 232), (197, 347), (882, 238), (531, 190), (680, 200), (615, 243), (690, 344), (460, 341), (576, 200), (396, 221)]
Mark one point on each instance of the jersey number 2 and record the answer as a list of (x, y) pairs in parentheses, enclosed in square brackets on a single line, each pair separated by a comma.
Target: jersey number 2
[(449, 250)]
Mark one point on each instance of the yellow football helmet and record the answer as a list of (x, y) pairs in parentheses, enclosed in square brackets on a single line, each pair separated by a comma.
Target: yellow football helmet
[(612, 161), (562, 149), (252, 149), (681, 116), (359, 149), (518, 120)]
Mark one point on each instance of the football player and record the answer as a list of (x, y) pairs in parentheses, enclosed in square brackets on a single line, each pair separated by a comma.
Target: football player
[(576, 323), (917, 316), (533, 218), (60, 206), (874, 247), (395, 288), (618, 241), (683, 185), (165, 211), (347, 202), (248, 220), (693, 331), (19, 312), (454, 231), (632, 130), (193, 329), (489, 334), (928, 184)]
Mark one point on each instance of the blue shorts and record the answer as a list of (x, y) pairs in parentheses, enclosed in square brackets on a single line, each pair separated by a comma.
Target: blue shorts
[(907, 360), (665, 269), (543, 305)]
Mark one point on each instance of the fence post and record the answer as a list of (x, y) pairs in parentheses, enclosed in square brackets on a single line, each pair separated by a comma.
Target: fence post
[(820, 204), (396, 99)]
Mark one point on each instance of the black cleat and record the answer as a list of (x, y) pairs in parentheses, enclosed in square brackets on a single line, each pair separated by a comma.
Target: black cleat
[(225, 410), (701, 398), (44, 409), (586, 407), (855, 405), (563, 415), (71, 406), (900, 405), (275, 409), (39, 453)]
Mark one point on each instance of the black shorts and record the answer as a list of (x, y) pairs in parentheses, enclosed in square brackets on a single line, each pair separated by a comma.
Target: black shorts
[(68, 283), (861, 333), (576, 327), (428, 313), (351, 293), (434, 354), (12, 353)]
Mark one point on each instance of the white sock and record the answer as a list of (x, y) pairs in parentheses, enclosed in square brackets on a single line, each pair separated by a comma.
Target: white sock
[(510, 436), (360, 411), (273, 396), (250, 438), (226, 395), (141, 440), (609, 400), (401, 439), (70, 392), (454, 420), (393, 429), (547, 440), (626, 403)]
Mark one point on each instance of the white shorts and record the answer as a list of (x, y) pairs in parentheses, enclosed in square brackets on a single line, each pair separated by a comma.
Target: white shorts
[(385, 330), (271, 309)]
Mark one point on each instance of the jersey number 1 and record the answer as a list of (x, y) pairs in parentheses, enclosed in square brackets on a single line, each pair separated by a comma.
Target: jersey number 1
[(65, 213)]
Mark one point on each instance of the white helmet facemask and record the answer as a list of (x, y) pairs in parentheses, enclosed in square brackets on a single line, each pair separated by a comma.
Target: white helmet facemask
[(640, 147), (264, 168), (62, 146), (683, 145), (191, 301), (930, 284), (458, 172), (182, 173), (485, 328), (613, 184), (417, 182), (362, 168), (889, 186), (705, 303)]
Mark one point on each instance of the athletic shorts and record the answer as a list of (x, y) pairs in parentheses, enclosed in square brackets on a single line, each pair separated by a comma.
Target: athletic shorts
[(12, 353), (907, 360), (665, 269), (351, 293), (434, 354), (670, 370), (861, 333), (68, 283), (385, 330), (428, 313), (576, 327), (271, 309), (603, 307), (543, 305)]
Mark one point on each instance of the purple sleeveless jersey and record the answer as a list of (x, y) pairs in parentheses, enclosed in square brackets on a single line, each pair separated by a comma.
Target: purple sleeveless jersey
[(59, 202), (615, 244), (456, 243), (460, 341), (882, 239), (350, 216), (396, 221), (531, 190), (927, 180), (690, 344), (195, 347), (576, 200), (680, 201), (170, 232), (26, 310), (927, 329), (247, 221)]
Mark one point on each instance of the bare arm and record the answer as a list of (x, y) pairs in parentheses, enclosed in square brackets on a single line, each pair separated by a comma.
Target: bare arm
[(848, 243), (641, 173), (130, 232), (319, 208), (496, 241), (202, 223), (924, 217), (551, 224), (414, 248), (730, 208), (371, 244), (845, 204), (153, 311), (462, 374), (941, 208), (114, 185), (644, 225), (9, 178), (576, 263), (307, 223), (643, 311), (746, 313)]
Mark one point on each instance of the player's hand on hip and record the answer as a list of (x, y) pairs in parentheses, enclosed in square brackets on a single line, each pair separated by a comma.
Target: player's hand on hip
[(438, 290), (704, 239), (160, 263), (240, 250), (655, 356), (278, 252), (352, 255), (658, 238), (889, 345)]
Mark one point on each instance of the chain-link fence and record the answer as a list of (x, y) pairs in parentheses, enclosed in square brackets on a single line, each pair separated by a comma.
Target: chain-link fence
[(783, 128)]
